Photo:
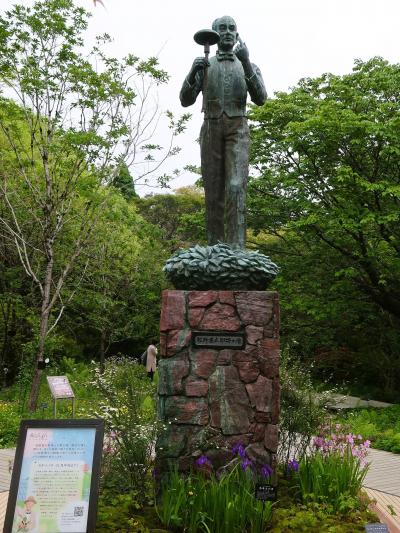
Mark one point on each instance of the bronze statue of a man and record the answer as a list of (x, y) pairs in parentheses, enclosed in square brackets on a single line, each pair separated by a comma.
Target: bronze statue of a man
[(224, 136)]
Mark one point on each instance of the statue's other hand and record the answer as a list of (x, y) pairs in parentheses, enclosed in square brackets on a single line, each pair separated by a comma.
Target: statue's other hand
[(241, 51)]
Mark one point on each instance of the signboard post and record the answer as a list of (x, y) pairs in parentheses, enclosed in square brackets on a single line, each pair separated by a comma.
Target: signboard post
[(61, 389), (265, 493), (55, 479)]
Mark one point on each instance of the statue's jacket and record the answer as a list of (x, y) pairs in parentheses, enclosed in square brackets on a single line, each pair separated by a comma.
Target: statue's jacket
[(227, 88)]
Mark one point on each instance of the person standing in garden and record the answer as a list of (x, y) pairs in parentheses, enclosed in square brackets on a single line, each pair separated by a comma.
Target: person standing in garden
[(151, 360)]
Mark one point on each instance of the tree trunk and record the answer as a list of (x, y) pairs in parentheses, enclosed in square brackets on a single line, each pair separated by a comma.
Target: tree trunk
[(34, 393), (5, 312), (44, 324), (102, 350)]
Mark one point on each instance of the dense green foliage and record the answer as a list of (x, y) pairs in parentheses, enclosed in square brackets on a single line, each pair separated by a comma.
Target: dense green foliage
[(380, 426), (123, 395), (335, 479), (81, 259), (80, 269), (13, 407), (316, 518), (328, 188), (179, 216), (196, 503)]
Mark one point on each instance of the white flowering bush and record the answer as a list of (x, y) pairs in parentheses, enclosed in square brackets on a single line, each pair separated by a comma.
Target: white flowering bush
[(302, 411), (128, 408)]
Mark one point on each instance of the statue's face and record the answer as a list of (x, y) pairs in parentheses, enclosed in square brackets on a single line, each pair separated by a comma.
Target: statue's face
[(226, 27)]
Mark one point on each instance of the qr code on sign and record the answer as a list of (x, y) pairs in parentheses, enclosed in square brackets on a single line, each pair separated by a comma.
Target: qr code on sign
[(78, 511)]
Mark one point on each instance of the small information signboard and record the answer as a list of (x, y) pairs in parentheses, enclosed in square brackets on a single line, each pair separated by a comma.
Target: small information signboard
[(218, 340), (265, 492), (61, 389), (55, 479), (376, 528)]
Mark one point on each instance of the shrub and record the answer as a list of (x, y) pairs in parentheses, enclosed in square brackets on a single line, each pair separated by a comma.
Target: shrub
[(316, 517), (118, 513), (302, 412), (9, 424), (128, 410), (207, 503), (380, 426), (334, 470)]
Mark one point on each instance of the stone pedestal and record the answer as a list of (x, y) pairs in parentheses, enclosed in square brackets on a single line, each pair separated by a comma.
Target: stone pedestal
[(213, 397)]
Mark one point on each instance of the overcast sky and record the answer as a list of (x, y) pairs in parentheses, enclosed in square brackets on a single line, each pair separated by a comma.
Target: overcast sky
[(287, 39)]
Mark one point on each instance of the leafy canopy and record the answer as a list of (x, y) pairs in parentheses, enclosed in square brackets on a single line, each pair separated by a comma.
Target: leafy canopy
[(328, 154)]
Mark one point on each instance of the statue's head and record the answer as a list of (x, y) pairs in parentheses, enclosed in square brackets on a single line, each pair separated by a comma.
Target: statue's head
[(226, 27)]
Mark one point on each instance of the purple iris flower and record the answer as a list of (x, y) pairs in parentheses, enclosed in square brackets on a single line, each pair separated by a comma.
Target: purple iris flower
[(246, 463), (293, 465), (203, 460), (266, 471), (238, 449)]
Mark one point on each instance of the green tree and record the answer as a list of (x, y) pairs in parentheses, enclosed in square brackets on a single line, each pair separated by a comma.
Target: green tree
[(119, 295), (328, 188), (180, 216), (74, 127), (124, 182)]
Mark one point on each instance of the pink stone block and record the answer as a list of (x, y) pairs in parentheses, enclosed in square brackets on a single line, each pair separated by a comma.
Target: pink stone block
[(270, 346), (254, 334), (254, 307), (276, 399), (263, 418), (227, 297), (242, 356), (225, 357), (258, 454), (172, 310), (269, 367), (230, 407), (269, 357), (177, 340), (163, 344), (195, 316), (171, 373), (248, 371), (203, 362), (220, 317), (181, 410), (196, 387), (258, 432), (244, 439), (202, 298), (260, 394), (271, 438), (272, 328)]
